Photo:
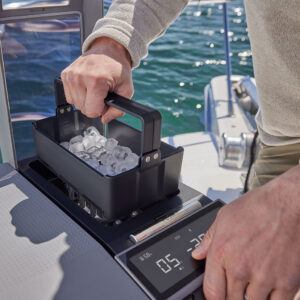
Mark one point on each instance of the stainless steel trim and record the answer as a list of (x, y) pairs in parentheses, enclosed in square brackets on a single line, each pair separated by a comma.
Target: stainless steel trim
[(234, 152), (188, 208), (7, 145), (33, 4), (28, 116)]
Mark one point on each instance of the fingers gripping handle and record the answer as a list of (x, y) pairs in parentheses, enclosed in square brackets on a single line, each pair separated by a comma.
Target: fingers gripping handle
[(151, 120)]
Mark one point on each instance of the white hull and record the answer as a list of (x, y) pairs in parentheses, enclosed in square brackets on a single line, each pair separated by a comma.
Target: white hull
[(201, 170), (204, 169)]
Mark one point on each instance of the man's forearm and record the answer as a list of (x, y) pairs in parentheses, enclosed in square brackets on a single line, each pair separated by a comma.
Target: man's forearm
[(136, 23)]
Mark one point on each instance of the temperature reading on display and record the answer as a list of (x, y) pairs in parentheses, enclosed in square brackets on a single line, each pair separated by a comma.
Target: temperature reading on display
[(163, 264), (196, 241), (167, 264)]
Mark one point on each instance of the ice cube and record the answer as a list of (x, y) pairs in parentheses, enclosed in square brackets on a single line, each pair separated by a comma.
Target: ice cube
[(95, 149), (106, 170), (76, 147), (93, 141), (122, 166), (120, 153), (110, 144), (65, 145), (93, 163), (89, 141), (83, 155), (76, 139), (96, 152), (92, 149), (101, 141), (111, 171), (107, 159), (91, 131), (132, 159)]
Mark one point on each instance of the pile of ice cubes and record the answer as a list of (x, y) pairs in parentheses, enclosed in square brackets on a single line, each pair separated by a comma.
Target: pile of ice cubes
[(104, 155)]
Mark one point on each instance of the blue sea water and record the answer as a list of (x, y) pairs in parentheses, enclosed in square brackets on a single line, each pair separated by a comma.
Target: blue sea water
[(171, 79)]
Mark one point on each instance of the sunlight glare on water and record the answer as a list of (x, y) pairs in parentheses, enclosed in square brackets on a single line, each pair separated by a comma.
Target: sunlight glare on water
[(184, 60)]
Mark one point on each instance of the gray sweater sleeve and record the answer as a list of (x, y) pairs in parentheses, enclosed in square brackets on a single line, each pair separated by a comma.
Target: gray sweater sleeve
[(136, 23)]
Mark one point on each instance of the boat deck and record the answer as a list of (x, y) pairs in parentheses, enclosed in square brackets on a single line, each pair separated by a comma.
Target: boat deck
[(201, 169)]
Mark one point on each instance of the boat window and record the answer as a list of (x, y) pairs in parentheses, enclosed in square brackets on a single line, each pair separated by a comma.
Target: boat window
[(17, 4), (34, 54)]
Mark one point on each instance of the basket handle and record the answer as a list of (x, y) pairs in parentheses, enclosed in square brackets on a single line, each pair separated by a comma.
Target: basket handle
[(60, 98), (151, 118)]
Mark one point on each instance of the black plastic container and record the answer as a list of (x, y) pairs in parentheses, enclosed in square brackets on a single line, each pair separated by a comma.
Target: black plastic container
[(155, 179)]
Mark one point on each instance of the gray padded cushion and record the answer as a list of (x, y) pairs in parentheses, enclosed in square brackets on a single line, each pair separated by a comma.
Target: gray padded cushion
[(46, 255)]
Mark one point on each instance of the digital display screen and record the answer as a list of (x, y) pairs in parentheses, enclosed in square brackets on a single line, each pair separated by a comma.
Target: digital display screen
[(166, 260)]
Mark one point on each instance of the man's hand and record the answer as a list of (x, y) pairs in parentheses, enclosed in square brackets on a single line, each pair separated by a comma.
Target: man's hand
[(253, 248), (105, 67)]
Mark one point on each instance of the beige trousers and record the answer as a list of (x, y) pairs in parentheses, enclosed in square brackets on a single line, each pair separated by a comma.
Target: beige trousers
[(272, 162)]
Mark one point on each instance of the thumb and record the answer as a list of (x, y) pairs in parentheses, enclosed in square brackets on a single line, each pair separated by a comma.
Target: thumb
[(201, 251)]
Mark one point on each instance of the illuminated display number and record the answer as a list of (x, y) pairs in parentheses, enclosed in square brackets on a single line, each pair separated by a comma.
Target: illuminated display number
[(167, 264), (163, 266), (197, 242)]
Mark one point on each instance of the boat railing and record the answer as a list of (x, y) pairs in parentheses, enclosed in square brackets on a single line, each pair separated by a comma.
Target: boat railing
[(228, 59), (226, 41)]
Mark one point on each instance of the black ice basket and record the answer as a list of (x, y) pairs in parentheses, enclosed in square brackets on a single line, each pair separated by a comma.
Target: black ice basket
[(155, 179)]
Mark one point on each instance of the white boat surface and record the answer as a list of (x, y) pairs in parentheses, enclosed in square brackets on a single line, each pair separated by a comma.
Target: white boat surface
[(203, 167)]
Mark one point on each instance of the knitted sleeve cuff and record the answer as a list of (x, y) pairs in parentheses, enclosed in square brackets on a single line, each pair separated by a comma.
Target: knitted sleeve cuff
[(121, 32)]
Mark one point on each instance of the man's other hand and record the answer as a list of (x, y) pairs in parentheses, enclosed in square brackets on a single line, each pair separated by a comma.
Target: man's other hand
[(105, 67), (253, 248)]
